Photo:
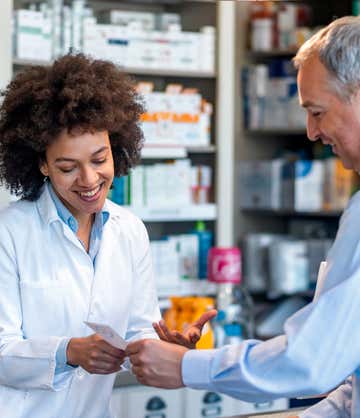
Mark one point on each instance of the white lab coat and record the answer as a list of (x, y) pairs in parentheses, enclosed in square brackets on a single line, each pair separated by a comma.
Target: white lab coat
[(48, 288)]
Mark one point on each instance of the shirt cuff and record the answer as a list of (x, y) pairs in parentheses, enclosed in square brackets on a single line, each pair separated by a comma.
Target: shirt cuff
[(196, 369), (61, 358)]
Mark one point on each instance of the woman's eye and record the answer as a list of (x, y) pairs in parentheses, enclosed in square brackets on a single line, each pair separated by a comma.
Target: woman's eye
[(66, 170), (100, 161)]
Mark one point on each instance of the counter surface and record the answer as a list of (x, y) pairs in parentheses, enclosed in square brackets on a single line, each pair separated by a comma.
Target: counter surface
[(279, 414)]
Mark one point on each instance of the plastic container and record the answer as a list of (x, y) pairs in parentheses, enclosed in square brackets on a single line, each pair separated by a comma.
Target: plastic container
[(205, 238), (261, 34), (224, 265)]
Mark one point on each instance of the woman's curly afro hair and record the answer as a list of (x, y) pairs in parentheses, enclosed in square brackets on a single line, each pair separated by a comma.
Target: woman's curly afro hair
[(75, 93)]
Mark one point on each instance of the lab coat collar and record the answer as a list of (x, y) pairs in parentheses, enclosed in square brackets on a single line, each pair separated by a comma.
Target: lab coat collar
[(47, 208)]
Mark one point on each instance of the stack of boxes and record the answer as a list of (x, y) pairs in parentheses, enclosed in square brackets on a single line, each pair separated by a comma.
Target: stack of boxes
[(302, 185), (129, 38), (173, 184), (270, 96), (176, 116)]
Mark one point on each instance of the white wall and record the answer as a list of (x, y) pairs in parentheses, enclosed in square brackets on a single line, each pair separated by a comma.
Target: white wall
[(6, 7), (5, 44)]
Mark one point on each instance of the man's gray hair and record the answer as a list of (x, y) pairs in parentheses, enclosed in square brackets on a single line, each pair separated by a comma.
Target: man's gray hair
[(338, 48)]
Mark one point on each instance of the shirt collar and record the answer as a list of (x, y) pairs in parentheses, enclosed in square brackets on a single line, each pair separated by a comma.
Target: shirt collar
[(52, 208)]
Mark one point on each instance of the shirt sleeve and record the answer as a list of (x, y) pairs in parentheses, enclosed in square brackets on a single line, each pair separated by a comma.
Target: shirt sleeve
[(313, 356), (61, 357), (336, 405), (24, 363)]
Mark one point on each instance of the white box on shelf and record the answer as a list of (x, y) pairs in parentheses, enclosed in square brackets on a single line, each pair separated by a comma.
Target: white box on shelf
[(94, 38), (125, 17), (29, 33), (302, 184), (166, 265), (137, 197), (117, 45), (188, 252), (260, 184)]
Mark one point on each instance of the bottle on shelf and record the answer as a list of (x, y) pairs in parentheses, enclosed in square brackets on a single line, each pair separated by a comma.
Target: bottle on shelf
[(235, 308), (205, 239)]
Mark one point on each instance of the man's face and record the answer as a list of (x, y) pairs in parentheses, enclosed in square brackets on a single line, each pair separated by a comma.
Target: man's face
[(330, 119), (81, 170)]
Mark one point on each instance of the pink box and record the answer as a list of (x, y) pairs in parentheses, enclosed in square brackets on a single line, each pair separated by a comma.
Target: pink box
[(224, 265)]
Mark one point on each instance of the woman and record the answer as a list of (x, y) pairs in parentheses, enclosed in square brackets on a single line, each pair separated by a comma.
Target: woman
[(68, 255)]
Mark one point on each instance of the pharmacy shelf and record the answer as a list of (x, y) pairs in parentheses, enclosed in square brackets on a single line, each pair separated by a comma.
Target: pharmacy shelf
[(293, 213), (147, 2), (206, 212), (168, 151), (134, 70), (189, 287), (274, 53), (276, 131)]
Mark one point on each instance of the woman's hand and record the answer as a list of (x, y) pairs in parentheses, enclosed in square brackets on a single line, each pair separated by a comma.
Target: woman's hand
[(191, 334), (94, 355)]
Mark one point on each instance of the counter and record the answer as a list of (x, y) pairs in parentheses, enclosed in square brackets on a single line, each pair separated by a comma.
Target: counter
[(280, 414)]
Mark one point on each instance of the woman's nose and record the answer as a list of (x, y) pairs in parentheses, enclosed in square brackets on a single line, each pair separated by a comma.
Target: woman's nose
[(88, 176)]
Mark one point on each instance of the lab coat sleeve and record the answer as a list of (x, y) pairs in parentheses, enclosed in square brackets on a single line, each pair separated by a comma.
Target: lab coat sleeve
[(144, 307), (24, 363), (336, 405)]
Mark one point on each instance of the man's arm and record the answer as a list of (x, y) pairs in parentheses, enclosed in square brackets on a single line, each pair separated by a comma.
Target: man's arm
[(336, 405)]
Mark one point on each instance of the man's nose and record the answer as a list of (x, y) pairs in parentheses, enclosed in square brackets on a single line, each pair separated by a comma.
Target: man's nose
[(312, 131)]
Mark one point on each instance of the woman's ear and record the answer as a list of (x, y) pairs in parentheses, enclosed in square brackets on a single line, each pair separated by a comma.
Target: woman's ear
[(44, 168)]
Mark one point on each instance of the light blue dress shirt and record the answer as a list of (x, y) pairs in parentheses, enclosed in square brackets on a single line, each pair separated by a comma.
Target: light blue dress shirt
[(319, 350), (94, 245), (48, 287)]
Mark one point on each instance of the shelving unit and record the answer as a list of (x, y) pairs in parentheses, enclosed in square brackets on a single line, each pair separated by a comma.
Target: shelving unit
[(276, 132), (293, 213), (206, 212), (172, 152), (133, 70)]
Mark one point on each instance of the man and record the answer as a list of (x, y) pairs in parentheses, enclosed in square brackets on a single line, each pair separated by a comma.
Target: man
[(320, 348)]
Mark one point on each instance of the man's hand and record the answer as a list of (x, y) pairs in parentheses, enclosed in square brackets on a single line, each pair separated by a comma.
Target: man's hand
[(156, 363), (191, 334), (94, 355)]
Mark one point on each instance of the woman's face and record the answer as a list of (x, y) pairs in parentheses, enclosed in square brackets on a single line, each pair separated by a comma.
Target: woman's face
[(81, 170)]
